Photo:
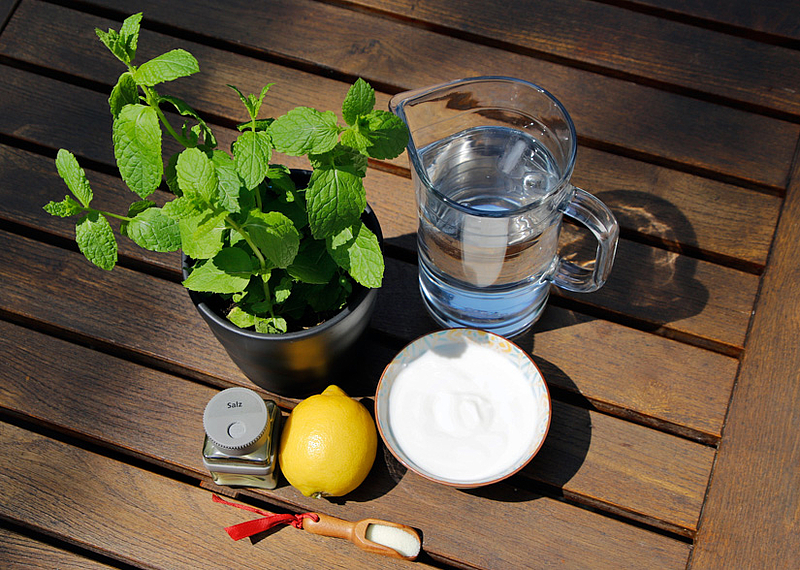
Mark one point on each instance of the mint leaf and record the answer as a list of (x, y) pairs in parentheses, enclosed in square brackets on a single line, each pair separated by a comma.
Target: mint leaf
[(355, 138), (67, 207), (271, 325), (241, 318), (200, 129), (125, 92), (201, 231), (197, 176), (357, 251), (184, 207), (360, 100), (329, 297), (112, 41), (335, 198), (74, 176), (138, 207), (96, 241), (283, 290), (252, 151), (342, 157), (232, 194), (379, 134), (171, 175), (202, 236), (229, 271), (133, 210), (252, 103), (129, 35), (284, 196), (304, 130), (275, 236), (137, 148), (313, 263), (258, 125), (280, 179), (166, 67), (294, 210), (153, 230)]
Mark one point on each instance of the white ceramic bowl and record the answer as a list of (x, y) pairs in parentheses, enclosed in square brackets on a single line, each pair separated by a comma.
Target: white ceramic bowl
[(473, 412)]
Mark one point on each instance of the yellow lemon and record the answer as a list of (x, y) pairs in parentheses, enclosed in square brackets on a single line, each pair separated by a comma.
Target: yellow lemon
[(328, 444)]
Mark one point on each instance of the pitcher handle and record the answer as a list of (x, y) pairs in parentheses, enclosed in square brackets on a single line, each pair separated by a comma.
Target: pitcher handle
[(596, 216)]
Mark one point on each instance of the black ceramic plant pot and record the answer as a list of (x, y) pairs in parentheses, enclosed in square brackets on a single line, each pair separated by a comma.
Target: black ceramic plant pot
[(295, 364)]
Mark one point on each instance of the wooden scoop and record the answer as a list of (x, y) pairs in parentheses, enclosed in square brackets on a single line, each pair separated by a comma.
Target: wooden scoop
[(356, 532)]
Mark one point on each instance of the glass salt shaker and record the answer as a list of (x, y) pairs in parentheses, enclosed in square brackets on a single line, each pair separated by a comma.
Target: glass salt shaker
[(241, 442)]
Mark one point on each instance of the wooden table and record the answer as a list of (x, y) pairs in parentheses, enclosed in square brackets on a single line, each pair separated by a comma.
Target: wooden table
[(676, 388)]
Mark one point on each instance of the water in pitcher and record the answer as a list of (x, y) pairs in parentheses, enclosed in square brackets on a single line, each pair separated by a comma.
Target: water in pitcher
[(488, 248)]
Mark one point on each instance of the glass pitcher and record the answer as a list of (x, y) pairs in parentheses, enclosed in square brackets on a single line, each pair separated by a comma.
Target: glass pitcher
[(491, 162)]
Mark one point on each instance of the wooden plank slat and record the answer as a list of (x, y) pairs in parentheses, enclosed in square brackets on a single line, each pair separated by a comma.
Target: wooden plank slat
[(158, 511), (771, 17), (751, 513), (654, 391), (583, 452), (716, 308), (683, 211), (709, 137), (678, 294), (6, 7), (667, 205), (655, 49), (142, 518), (21, 552)]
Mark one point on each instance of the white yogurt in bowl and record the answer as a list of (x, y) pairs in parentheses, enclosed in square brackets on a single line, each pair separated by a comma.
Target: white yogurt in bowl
[(463, 407)]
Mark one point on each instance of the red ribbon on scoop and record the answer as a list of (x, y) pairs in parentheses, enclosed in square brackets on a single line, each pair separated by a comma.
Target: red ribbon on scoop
[(268, 520)]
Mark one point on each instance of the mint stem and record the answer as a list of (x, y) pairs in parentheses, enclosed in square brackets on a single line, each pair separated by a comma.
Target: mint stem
[(104, 213), (258, 198), (152, 100), (249, 241), (117, 216)]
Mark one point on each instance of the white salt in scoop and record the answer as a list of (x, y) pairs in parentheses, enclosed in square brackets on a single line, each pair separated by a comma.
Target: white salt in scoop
[(372, 535), (399, 539)]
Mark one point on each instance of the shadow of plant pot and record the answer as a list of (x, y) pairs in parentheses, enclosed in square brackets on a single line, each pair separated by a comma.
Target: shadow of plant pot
[(295, 364)]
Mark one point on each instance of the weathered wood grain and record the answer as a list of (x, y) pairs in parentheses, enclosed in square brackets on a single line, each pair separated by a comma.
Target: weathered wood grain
[(684, 211), (687, 213), (664, 126), (22, 552), (751, 513), (678, 294), (6, 8), (584, 450), (141, 518), (780, 20), (589, 33)]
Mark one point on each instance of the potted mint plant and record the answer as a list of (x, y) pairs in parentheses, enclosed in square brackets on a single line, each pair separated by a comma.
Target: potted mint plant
[(283, 265)]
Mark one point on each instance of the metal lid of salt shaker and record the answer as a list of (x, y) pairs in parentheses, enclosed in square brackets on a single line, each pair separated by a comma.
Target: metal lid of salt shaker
[(235, 420)]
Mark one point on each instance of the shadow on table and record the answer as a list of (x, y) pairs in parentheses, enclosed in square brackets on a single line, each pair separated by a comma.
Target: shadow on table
[(565, 447), (653, 280), (561, 456), (654, 284)]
